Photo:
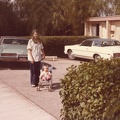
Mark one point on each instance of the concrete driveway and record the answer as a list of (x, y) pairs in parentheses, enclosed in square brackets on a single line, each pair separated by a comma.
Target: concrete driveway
[(16, 75)]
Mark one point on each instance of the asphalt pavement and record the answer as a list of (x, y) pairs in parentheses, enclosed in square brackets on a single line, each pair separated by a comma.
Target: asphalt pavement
[(21, 101)]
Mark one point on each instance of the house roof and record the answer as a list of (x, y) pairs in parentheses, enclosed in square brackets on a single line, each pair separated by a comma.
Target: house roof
[(107, 18)]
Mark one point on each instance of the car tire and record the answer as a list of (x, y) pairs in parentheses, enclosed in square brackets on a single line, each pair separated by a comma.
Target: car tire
[(70, 55), (96, 58)]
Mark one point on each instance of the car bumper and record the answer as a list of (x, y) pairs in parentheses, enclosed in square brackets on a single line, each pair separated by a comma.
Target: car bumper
[(13, 57)]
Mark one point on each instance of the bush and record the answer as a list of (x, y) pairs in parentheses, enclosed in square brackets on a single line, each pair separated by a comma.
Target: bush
[(54, 45), (91, 91)]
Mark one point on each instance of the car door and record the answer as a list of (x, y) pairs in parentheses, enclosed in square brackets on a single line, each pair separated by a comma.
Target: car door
[(85, 49)]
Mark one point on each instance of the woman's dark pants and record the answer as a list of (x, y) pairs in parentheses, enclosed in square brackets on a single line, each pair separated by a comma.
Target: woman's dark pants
[(35, 72)]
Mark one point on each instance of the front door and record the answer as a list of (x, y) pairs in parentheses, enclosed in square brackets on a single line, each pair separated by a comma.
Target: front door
[(95, 30)]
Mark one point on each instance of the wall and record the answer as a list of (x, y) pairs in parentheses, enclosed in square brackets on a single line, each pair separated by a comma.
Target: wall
[(109, 27)]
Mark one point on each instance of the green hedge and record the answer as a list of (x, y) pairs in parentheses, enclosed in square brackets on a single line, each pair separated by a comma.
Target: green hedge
[(91, 91), (54, 45)]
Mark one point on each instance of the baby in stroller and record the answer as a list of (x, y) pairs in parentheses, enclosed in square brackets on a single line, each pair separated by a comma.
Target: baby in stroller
[(45, 76)]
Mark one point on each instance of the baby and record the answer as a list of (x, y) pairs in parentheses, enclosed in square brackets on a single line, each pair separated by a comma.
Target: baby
[(46, 75)]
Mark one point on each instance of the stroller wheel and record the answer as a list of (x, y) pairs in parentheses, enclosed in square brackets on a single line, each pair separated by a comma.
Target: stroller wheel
[(50, 90), (38, 88)]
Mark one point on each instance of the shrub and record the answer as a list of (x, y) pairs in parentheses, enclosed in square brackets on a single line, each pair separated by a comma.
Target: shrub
[(91, 91), (54, 45)]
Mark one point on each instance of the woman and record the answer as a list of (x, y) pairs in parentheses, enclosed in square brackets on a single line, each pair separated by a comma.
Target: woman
[(35, 53)]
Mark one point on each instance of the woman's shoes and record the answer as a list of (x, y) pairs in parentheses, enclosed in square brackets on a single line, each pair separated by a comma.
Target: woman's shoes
[(33, 85)]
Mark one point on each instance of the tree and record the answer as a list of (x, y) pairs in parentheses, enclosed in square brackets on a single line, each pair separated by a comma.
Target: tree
[(53, 17), (106, 8), (58, 19), (76, 12), (35, 13), (8, 23)]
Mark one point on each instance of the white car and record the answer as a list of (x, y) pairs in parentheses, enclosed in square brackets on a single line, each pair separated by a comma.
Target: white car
[(94, 49)]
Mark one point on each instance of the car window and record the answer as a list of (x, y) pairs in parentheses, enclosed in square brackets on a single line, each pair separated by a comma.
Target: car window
[(86, 43), (116, 43), (7, 41), (15, 41), (97, 43), (22, 42), (110, 43)]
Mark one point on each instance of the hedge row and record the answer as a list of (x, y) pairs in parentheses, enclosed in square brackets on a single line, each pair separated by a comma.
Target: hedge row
[(54, 45)]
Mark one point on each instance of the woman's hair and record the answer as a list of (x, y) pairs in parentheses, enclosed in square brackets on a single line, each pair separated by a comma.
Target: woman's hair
[(38, 36)]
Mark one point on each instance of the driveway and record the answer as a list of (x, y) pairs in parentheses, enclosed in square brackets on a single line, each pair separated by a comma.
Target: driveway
[(16, 75)]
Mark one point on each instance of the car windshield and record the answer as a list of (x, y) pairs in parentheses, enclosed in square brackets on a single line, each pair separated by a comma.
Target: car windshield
[(86, 43), (15, 41)]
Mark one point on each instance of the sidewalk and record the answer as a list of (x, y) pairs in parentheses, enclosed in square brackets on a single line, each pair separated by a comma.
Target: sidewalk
[(14, 106)]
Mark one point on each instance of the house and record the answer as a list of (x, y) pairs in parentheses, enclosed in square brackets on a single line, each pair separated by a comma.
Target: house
[(104, 27)]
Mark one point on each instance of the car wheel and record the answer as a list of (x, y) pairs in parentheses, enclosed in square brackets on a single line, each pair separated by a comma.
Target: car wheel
[(96, 58), (70, 55)]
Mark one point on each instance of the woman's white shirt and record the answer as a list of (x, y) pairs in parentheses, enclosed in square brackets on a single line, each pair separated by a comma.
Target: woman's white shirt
[(36, 50)]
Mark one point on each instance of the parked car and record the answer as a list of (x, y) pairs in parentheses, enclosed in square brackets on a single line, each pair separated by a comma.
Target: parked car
[(13, 48), (94, 49)]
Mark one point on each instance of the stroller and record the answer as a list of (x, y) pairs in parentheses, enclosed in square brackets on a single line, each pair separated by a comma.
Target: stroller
[(45, 77)]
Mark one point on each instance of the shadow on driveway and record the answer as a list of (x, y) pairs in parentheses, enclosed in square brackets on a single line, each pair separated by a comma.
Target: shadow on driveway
[(14, 65), (17, 65), (56, 86)]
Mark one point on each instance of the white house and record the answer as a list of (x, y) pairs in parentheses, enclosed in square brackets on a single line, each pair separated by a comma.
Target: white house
[(104, 27)]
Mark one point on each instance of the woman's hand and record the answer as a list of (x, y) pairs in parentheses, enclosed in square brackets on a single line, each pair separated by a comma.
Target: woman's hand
[(43, 54), (32, 61)]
